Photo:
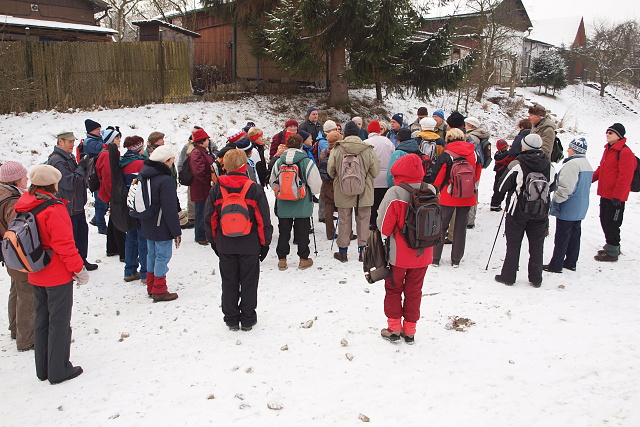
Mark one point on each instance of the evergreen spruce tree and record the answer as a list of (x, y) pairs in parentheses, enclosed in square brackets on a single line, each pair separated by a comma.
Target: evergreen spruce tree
[(548, 70)]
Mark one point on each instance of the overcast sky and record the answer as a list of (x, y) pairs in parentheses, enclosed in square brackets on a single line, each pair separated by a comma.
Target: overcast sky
[(612, 10)]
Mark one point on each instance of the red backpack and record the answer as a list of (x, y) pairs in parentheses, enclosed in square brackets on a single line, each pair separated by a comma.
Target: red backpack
[(462, 177), (235, 218)]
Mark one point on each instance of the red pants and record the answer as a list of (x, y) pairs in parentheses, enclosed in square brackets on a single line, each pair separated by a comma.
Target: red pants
[(407, 281)]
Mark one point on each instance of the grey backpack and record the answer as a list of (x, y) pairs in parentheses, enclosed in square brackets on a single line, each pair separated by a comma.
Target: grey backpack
[(21, 247), (535, 194)]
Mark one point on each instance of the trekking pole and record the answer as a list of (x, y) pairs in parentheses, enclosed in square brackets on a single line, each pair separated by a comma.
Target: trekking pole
[(313, 230), (496, 239), (335, 233)]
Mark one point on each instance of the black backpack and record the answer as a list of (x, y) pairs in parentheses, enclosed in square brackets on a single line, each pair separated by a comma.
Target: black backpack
[(185, 177), (93, 182), (422, 222), (635, 182), (556, 152), (374, 258)]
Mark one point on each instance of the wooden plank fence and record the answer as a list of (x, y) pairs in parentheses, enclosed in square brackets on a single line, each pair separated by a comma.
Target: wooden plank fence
[(58, 75)]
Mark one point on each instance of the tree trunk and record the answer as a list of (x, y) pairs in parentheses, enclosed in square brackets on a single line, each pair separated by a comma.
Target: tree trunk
[(338, 88), (602, 87)]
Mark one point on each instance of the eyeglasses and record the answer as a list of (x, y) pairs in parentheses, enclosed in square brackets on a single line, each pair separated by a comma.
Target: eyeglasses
[(610, 133)]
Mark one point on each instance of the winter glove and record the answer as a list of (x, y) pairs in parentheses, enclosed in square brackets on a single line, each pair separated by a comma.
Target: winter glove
[(615, 202), (213, 246), (178, 240), (264, 250), (81, 277), (83, 163)]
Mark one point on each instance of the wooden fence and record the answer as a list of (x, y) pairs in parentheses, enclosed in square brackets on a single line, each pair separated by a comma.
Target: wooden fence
[(59, 75)]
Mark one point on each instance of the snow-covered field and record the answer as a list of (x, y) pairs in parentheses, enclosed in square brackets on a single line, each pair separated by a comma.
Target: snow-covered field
[(566, 354)]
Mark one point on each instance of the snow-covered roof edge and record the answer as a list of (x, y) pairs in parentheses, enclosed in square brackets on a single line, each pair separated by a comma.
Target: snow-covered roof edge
[(38, 23)]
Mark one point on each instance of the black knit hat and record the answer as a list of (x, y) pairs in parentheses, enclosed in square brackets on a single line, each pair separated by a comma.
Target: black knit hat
[(351, 129), (90, 125), (618, 129), (455, 120), (403, 134)]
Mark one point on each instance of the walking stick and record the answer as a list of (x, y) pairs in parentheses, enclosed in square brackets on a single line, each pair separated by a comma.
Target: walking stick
[(496, 239), (335, 233), (313, 229)]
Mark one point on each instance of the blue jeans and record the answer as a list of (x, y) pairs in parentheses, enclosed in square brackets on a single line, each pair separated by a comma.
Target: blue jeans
[(101, 209), (135, 251), (199, 222), (158, 256), (566, 247)]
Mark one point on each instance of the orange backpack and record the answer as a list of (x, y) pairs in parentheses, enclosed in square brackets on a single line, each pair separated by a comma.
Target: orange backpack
[(235, 218), (288, 184)]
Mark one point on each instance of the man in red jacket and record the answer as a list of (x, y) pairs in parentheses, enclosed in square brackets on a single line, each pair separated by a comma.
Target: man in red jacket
[(614, 176)]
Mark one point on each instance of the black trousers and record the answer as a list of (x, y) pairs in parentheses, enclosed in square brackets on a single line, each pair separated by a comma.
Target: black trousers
[(301, 228), (52, 331), (116, 240), (515, 230), (566, 245), (611, 220), (378, 195), (81, 234), (497, 198), (459, 231), (240, 275)]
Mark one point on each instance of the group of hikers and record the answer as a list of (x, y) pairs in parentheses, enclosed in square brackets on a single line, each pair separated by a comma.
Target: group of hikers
[(363, 175)]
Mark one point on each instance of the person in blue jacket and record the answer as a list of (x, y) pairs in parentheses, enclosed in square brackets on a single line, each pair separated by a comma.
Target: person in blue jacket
[(569, 205)]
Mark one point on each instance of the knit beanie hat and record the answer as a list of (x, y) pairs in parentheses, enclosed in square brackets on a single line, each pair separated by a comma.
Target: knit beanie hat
[(329, 125), (90, 125), (162, 154), (199, 135), (43, 175), (133, 143), (439, 113), (473, 122), (398, 117), (404, 134), (248, 126), (357, 119), (422, 111), (234, 135), (428, 123), (333, 137), (291, 122), (579, 145), (374, 127), (12, 171), (110, 134), (500, 144), (618, 129), (407, 168), (532, 142), (351, 129), (305, 135), (311, 110), (455, 120), (244, 144)]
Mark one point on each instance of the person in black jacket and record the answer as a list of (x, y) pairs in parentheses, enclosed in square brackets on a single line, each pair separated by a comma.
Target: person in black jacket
[(239, 255), (531, 159), (311, 124), (73, 188), (516, 146), (501, 161), (163, 228)]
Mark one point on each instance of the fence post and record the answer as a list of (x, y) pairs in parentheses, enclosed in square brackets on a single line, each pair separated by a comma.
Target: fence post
[(161, 66), (29, 71)]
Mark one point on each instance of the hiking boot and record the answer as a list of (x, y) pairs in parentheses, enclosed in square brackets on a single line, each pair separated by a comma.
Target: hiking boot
[(132, 278), (282, 264), (188, 225), (233, 326), (27, 348), (546, 268), (409, 339), (340, 257), (167, 296), (495, 208), (305, 263), (93, 222), (605, 257), (202, 242), (471, 226), (435, 263), (144, 281), (247, 328), (535, 284), (447, 241), (502, 280), (391, 336), (569, 268), (455, 264), (360, 257), (77, 370), (353, 237), (102, 232), (90, 267)]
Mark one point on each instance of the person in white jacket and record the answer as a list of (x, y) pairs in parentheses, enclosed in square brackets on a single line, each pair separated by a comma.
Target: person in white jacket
[(383, 147)]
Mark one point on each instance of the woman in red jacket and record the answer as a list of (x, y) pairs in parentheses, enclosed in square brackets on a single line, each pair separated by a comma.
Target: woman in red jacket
[(408, 268), (53, 285), (450, 201), (200, 162)]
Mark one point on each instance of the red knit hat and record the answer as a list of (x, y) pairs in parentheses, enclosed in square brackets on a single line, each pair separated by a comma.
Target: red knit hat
[(291, 122), (200, 135), (234, 137), (501, 144), (374, 127)]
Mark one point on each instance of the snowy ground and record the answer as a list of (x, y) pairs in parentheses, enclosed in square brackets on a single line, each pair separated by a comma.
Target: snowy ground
[(566, 354)]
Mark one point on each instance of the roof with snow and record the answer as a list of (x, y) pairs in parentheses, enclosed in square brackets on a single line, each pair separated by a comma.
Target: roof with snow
[(556, 31), (57, 25), (167, 25)]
